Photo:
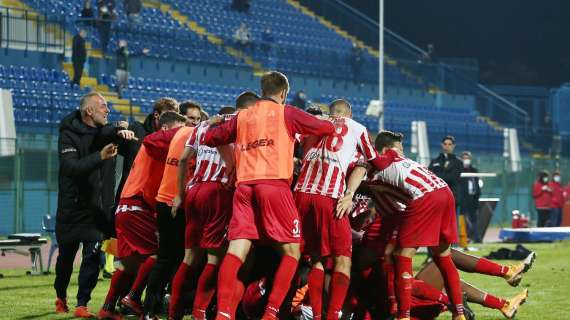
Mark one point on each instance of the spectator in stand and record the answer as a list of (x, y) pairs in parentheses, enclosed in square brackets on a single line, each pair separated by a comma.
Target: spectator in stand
[(87, 12), (557, 200), (300, 100), (267, 40), (133, 9), (356, 60), (242, 36), (241, 5), (542, 194), (78, 55), (87, 148), (107, 14), (469, 192), (122, 71), (448, 167)]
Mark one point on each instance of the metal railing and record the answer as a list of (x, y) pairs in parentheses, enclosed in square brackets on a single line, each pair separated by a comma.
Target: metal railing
[(24, 29)]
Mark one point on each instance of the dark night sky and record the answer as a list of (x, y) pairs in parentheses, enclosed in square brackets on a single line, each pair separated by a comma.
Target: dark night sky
[(525, 42)]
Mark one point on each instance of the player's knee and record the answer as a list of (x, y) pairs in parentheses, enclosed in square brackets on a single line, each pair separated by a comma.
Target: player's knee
[(405, 275), (342, 264), (407, 252), (292, 249)]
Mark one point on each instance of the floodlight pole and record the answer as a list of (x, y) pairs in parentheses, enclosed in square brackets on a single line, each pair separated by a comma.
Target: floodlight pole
[(381, 64)]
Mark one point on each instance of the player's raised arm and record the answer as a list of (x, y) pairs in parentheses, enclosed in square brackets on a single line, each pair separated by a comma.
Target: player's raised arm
[(224, 133), (301, 122)]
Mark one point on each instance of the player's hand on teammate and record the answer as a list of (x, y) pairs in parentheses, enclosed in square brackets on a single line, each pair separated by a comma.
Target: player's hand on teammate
[(123, 124), (109, 151), (217, 119), (176, 202), (344, 205), (128, 135)]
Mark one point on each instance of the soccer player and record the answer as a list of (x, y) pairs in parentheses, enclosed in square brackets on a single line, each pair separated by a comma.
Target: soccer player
[(170, 227), (135, 218), (208, 212), (320, 183), (263, 206), (427, 220)]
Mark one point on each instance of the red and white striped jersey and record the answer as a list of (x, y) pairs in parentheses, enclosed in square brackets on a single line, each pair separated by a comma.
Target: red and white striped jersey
[(326, 163), (406, 176), (209, 164)]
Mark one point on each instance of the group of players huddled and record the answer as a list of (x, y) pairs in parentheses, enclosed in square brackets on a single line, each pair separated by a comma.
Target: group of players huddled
[(290, 215)]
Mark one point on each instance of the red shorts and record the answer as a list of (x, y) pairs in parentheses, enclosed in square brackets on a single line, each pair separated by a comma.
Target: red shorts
[(208, 207), (135, 224), (265, 211), (322, 232), (429, 221), (381, 232)]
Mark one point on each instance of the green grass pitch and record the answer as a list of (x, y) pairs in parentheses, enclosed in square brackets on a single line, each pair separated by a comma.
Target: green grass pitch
[(25, 297)]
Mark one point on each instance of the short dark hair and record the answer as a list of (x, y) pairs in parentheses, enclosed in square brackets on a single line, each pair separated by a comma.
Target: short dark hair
[(340, 102), (170, 117), (189, 104), (467, 153), (165, 104), (449, 137), (273, 82), (315, 110), (387, 139), (227, 110), (543, 174), (246, 99)]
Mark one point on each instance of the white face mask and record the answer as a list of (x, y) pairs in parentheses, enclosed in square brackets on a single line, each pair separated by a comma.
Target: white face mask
[(545, 179), (466, 162), (556, 178)]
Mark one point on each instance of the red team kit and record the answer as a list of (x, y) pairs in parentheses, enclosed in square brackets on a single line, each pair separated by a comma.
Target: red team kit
[(248, 197)]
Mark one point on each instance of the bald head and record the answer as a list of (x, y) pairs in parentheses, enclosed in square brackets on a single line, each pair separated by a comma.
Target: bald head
[(340, 108)]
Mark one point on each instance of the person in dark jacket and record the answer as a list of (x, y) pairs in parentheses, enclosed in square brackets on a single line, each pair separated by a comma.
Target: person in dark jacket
[(133, 9), (78, 55), (106, 15), (122, 70), (87, 147), (141, 130), (469, 193), (542, 195), (447, 166)]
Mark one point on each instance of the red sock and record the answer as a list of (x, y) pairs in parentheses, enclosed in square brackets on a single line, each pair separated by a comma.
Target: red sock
[(227, 279), (485, 266), (452, 282), (140, 281), (205, 291), (239, 289), (422, 290), (403, 288), (316, 281), (390, 286), (118, 283), (493, 302), (338, 289), (281, 284), (179, 283)]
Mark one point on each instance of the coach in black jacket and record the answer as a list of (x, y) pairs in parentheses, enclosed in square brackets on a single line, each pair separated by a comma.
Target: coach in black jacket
[(447, 166), (87, 147)]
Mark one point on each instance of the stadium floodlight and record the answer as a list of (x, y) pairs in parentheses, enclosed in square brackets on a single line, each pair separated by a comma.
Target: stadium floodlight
[(7, 124), (511, 151), (420, 144), (381, 63)]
